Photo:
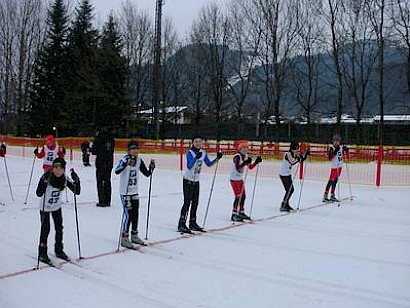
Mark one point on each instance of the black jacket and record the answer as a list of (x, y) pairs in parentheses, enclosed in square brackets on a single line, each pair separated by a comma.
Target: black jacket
[(103, 148)]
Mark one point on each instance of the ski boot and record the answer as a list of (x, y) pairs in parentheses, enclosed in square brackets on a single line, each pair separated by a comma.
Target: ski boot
[(194, 226), (236, 217), (333, 198), (183, 229), (284, 207), (244, 216), (125, 242), (136, 239), (42, 254), (62, 255)]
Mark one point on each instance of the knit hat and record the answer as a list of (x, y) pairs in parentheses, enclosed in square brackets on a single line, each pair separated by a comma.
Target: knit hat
[(59, 162), (196, 137), (50, 139), (133, 145), (294, 145), (337, 138), (239, 144)]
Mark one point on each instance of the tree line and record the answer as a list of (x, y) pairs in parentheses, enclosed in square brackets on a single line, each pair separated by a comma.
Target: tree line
[(259, 59)]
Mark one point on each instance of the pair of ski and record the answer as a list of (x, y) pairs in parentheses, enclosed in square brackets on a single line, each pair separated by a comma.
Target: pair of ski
[(57, 263), (135, 246), (191, 232)]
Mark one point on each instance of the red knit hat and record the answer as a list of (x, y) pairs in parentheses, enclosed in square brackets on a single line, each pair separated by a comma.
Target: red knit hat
[(239, 144), (50, 138)]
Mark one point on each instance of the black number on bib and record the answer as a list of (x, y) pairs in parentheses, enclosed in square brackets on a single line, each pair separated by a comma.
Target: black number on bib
[(50, 156)]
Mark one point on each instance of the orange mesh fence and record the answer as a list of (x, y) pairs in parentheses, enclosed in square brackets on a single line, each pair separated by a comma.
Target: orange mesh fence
[(372, 165)]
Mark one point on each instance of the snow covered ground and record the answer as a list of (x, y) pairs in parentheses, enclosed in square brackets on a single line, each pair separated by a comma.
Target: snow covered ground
[(355, 255)]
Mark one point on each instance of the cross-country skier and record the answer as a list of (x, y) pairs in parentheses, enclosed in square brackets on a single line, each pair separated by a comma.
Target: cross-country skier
[(195, 158), (50, 188), (2, 150), (49, 152), (240, 161), (86, 149), (129, 167), (290, 158), (335, 155)]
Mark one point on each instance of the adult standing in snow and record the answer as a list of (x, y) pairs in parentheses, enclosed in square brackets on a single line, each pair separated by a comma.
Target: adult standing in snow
[(103, 148), (50, 188), (129, 167), (291, 158), (240, 160), (335, 155), (50, 151), (195, 157)]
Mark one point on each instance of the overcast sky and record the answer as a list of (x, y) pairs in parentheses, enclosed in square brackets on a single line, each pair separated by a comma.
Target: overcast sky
[(182, 12)]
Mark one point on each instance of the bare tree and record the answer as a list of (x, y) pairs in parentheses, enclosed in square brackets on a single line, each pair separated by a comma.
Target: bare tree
[(21, 34), (245, 42), (210, 32), (278, 27), (359, 61), (306, 74), (377, 10), (332, 13), (171, 72), (400, 16), (137, 29)]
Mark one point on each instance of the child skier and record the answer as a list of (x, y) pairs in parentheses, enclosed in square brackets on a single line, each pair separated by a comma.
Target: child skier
[(2, 150), (195, 157), (336, 152), (86, 149), (49, 152), (291, 158), (240, 160), (128, 168), (50, 186)]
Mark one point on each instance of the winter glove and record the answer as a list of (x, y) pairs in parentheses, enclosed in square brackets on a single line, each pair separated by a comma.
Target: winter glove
[(74, 176), (36, 151), (132, 161), (248, 161), (198, 155), (345, 149), (151, 166), (219, 155), (45, 177), (258, 160)]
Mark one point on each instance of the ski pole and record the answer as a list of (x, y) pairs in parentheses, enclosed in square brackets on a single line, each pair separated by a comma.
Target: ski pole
[(301, 187), (31, 177), (348, 180), (210, 194), (42, 213), (122, 221), (254, 189), (149, 203), (290, 188), (78, 229), (8, 178)]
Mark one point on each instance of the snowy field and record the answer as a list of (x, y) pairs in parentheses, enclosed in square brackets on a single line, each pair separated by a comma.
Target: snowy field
[(355, 255)]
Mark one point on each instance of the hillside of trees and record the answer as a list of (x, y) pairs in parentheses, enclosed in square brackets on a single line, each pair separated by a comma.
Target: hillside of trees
[(253, 61)]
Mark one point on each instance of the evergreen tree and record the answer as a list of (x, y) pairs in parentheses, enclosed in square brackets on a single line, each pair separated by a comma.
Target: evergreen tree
[(83, 80), (113, 103), (47, 89)]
